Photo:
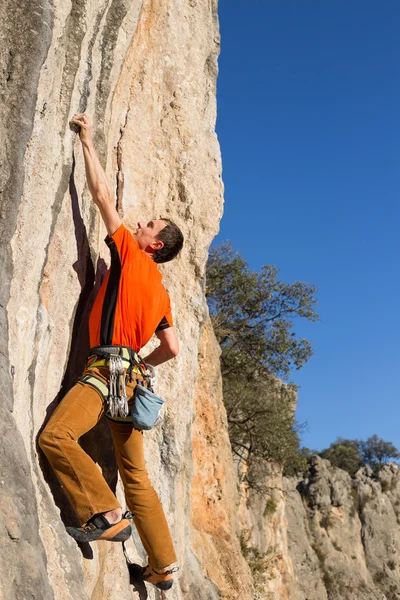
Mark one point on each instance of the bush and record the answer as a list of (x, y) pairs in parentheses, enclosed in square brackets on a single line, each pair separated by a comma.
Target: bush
[(270, 507), (344, 454)]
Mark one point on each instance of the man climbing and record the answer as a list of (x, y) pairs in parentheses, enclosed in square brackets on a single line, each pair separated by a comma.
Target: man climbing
[(131, 305)]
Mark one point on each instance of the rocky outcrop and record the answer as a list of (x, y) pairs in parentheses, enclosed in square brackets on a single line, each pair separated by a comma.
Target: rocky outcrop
[(264, 536), (145, 70), (329, 537), (343, 533)]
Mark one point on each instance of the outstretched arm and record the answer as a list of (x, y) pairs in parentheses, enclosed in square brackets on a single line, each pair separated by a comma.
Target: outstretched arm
[(168, 348), (96, 177)]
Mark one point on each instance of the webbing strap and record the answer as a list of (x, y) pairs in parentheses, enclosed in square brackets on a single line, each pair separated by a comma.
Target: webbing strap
[(101, 387), (123, 351), (127, 419), (129, 357), (104, 362), (97, 384), (119, 360)]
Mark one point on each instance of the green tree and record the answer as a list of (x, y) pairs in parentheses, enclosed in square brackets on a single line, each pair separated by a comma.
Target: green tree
[(344, 454), (253, 316), (375, 452), (350, 455), (262, 428)]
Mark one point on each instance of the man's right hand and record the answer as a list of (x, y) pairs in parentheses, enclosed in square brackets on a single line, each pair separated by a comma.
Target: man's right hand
[(95, 175), (85, 127)]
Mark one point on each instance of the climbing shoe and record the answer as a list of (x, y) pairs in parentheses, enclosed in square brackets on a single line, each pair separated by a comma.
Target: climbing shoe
[(98, 528), (163, 581)]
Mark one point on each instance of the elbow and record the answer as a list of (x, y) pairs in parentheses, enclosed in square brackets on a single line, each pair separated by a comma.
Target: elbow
[(173, 349)]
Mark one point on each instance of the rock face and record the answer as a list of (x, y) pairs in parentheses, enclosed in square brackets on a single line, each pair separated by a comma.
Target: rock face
[(329, 537), (264, 534), (215, 495), (145, 70), (343, 534)]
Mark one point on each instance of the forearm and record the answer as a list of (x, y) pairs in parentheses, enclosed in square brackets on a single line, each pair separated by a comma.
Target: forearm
[(160, 355), (95, 175), (96, 178)]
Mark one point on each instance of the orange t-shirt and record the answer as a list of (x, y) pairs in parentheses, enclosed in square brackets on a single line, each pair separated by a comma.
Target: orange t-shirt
[(132, 302)]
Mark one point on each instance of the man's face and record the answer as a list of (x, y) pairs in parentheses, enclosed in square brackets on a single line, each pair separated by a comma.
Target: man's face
[(146, 234)]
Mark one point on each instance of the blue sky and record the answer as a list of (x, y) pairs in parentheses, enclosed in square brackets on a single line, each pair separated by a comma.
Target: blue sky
[(309, 126)]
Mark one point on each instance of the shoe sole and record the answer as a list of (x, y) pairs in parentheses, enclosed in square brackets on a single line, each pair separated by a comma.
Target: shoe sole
[(164, 585), (120, 532)]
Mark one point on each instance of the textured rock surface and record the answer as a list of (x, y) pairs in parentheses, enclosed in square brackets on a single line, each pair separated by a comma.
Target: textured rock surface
[(264, 529), (146, 72), (329, 537), (215, 494), (343, 534)]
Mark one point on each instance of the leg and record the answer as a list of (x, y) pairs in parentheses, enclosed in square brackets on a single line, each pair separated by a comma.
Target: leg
[(141, 497), (78, 412)]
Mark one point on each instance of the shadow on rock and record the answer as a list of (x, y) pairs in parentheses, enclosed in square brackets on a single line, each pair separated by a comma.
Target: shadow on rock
[(138, 584), (96, 443)]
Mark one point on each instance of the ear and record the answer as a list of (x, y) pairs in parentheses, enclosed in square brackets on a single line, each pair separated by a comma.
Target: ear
[(157, 245)]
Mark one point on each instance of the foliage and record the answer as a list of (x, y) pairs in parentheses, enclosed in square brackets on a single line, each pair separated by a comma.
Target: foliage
[(350, 455), (261, 425), (270, 507), (253, 315), (344, 454), (375, 452)]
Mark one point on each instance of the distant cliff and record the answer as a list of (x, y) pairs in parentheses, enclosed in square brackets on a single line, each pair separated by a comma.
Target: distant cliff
[(344, 535), (329, 537)]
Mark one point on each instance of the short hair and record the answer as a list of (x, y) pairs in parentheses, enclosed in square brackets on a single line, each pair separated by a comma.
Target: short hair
[(172, 238)]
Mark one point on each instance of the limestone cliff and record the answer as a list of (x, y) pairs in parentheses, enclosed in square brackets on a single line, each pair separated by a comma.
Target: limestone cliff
[(145, 70), (329, 537), (215, 498), (343, 534)]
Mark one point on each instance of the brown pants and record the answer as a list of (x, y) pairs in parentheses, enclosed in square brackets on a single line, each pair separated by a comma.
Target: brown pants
[(87, 490)]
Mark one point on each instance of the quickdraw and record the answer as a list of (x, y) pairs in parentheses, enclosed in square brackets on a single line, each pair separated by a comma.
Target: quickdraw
[(117, 398)]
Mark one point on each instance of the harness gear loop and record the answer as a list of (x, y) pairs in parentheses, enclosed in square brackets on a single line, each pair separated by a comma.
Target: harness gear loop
[(117, 359)]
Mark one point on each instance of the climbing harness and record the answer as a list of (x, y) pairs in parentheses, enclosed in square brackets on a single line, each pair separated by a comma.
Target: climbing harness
[(123, 364)]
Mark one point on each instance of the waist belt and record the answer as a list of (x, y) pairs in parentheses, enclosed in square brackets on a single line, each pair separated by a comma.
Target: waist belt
[(118, 359), (127, 355)]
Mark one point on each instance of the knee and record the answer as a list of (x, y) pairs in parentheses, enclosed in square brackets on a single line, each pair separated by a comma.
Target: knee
[(46, 440), (49, 440), (138, 481)]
